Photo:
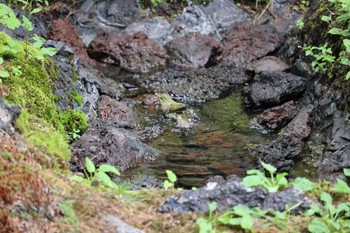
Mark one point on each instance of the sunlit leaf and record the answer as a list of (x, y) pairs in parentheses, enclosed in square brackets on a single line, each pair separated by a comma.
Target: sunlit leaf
[(90, 167), (171, 176), (109, 168)]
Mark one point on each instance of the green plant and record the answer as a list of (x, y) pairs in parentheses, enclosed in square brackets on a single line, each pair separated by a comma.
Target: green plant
[(304, 184), (74, 121), (322, 56), (74, 135), (206, 225), (69, 213), (91, 174), (171, 179), (341, 186), (258, 178), (300, 24), (329, 218)]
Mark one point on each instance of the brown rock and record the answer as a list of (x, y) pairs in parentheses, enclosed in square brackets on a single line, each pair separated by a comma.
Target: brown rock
[(135, 53), (268, 63)]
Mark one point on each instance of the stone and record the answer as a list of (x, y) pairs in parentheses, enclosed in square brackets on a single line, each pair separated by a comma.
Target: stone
[(270, 89), (282, 151), (115, 112), (268, 63), (116, 146), (193, 50), (8, 116), (245, 42), (119, 225), (135, 53), (277, 117)]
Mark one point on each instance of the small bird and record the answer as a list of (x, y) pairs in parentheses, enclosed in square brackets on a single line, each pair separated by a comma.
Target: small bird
[(167, 104)]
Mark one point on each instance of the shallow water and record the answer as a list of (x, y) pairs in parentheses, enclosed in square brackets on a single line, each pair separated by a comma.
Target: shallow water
[(217, 144)]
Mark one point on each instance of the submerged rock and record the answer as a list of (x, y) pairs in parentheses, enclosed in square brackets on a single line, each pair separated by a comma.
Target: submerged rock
[(273, 88), (116, 146), (282, 151), (135, 53), (233, 193), (245, 42), (193, 50)]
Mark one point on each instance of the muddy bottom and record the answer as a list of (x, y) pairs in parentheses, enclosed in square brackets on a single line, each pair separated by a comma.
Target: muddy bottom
[(217, 144)]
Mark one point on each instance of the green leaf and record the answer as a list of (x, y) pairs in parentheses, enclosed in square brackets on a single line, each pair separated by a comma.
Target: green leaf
[(327, 199), (252, 181), (167, 184), (106, 180), (318, 226), (90, 167), (78, 179), (36, 10), (1, 60), (39, 41), (212, 206), (247, 222), (48, 51), (347, 171), (4, 74), (271, 169), (347, 77), (171, 176), (204, 226), (326, 18), (109, 168), (337, 31), (341, 187), (27, 24), (304, 184)]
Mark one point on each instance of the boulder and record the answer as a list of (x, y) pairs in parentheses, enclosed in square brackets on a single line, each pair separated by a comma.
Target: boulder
[(135, 53), (8, 116), (245, 42), (268, 63), (116, 146), (193, 50), (270, 89)]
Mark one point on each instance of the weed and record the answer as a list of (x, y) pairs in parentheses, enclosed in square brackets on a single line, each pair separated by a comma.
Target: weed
[(171, 179), (322, 55)]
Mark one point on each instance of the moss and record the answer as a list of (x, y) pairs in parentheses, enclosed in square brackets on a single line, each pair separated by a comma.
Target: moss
[(43, 135), (74, 120), (78, 98)]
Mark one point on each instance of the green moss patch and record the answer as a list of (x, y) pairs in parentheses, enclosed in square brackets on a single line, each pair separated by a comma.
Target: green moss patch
[(74, 120)]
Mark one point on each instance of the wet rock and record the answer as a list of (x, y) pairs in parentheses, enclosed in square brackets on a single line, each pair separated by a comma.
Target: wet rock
[(193, 50), (282, 151), (114, 112), (150, 133), (195, 86), (119, 225), (332, 166), (268, 63), (116, 146), (8, 116), (340, 133), (62, 30), (135, 53), (72, 86), (145, 182), (277, 117), (245, 42), (273, 88), (233, 193)]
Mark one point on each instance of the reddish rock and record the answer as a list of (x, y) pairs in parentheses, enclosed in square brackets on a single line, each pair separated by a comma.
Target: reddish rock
[(246, 42), (62, 30), (268, 63), (135, 53), (277, 117), (113, 111), (194, 50)]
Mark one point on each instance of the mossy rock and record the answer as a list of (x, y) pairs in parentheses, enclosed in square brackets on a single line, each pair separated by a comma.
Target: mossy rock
[(74, 121)]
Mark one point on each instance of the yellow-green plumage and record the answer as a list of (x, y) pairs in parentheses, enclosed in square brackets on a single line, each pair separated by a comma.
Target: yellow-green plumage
[(167, 104)]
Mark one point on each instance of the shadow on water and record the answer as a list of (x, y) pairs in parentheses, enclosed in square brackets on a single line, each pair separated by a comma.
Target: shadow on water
[(217, 144)]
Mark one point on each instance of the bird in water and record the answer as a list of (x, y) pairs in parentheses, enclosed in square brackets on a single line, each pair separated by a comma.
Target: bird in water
[(167, 104)]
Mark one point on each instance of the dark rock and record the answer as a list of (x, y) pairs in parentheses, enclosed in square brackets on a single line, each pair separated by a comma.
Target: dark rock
[(8, 116), (193, 50), (114, 112), (273, 88), (196, 85), (233, 193), (268, 63), (281, 152), (340, 133), (245, 42), (62, 30), (332, 166), (278, 117), (134, 53), (150, 133), (145, 182), (116, 146)]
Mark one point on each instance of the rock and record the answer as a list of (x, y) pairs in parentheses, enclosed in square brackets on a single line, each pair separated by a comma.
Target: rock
[(233, 193), (195, 86), (135, 53), (332, 166), (245, 42), (268, 63), (119, 225), (114, 112), (116, 146), (62, 30), (8, 116), (144, 182), (278, 117), (150, 133), (193, 50), (273, 88), (281, 152)]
